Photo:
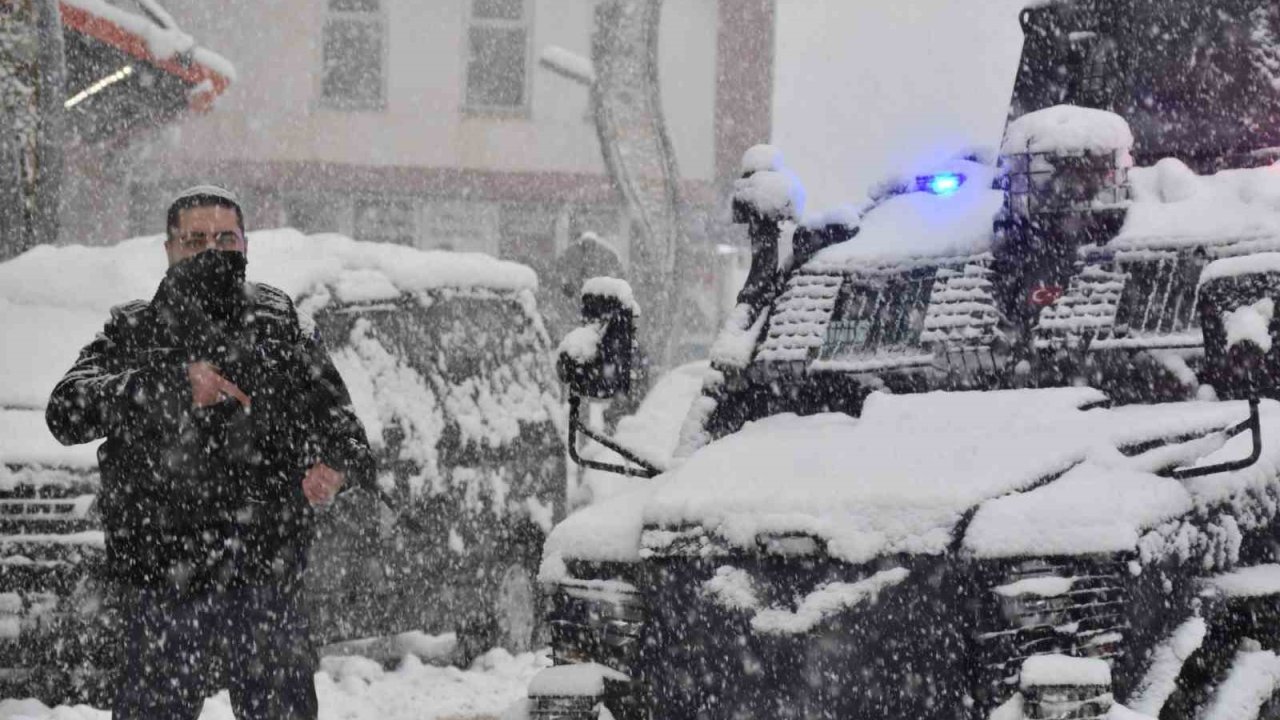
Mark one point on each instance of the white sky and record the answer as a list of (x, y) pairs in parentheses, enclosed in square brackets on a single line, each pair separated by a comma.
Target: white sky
[(868, 88)]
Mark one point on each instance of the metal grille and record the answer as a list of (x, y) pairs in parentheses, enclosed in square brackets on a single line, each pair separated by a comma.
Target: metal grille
[(601, 622), (1046, 182), (879, 313), (1160, 295), (1088, 620)]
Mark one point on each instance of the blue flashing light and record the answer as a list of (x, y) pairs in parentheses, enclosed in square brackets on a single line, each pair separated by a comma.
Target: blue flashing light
[(940, 184)]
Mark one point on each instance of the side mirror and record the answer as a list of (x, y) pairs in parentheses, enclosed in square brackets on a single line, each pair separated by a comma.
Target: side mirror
[(596, 362), (596, 359), (1236, 305), (1235, 302)]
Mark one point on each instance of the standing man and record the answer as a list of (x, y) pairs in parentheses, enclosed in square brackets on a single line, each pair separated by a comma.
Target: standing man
[(225, 424)]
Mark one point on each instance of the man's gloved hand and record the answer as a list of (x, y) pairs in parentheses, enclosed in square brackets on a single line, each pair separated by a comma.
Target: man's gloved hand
[(210, 388), (321, 484)]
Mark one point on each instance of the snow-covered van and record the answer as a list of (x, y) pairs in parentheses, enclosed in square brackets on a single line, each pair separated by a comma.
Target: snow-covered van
[(1004, 443), (449, 369)]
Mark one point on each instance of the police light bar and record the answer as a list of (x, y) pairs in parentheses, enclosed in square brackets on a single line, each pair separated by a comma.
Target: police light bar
[(940, 184)]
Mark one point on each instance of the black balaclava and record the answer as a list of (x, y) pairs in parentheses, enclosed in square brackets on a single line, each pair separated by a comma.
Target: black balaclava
[(204, 294)]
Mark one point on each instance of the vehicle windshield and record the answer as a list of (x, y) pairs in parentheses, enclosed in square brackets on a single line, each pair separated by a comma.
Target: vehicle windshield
[(879, 314)]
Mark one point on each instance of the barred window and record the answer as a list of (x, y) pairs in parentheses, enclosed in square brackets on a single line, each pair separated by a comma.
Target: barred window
[(1160, 295), (498, 55), (352, 76), (879, 313)]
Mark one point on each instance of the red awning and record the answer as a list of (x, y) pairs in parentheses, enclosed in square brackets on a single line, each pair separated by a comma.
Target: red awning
[(206, 74)]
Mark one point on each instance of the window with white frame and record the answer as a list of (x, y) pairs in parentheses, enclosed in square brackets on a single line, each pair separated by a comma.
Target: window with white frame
[(353, 54), (498, 55)]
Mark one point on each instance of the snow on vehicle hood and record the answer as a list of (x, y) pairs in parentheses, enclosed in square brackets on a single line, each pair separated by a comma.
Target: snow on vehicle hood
[(53, 299), (901, 478), (1174, 206), (921, 224)]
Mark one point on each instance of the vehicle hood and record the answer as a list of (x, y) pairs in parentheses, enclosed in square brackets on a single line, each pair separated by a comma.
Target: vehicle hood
[(992, 473)]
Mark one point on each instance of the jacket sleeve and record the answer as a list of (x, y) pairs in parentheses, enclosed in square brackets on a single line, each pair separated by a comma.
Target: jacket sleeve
[(340, 436), (108, 390)]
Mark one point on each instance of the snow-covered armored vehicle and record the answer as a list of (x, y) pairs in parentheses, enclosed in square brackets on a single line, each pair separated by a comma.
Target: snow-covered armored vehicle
[(449, 369), (983, 450)]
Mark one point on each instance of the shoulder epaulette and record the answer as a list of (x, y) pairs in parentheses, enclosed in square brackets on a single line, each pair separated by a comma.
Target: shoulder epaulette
[(130, 309), (274, 303), (272, 297)]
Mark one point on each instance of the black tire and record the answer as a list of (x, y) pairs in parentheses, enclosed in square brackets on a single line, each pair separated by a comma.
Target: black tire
[(1209, 666), (513, 615)]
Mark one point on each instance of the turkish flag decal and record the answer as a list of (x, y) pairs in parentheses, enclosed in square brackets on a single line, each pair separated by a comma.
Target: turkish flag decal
[(1045, 295)]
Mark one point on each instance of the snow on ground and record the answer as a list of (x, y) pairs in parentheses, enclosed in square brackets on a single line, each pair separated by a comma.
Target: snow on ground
[(355, 688)]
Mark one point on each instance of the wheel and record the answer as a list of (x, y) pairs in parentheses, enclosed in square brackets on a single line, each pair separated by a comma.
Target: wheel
[(515, 609), (512, 617), (1235, 670)]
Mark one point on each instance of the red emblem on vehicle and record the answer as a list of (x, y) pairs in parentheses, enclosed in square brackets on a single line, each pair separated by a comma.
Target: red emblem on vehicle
[(1045, 295)]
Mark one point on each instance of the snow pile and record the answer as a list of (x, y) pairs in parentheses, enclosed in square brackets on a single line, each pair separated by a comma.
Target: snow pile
[(1090, 509), (1251, 324), (1172, 207), (1253, 680), (1257, 581), (355, 688), (1106, 503), (1049, 670), (874, 485), (619, 290), (767, 184), (920, 224), (1167, 659), (1067, 129), (900, 479)]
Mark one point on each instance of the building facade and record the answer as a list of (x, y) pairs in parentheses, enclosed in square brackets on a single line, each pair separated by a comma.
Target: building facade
[(431, 122)]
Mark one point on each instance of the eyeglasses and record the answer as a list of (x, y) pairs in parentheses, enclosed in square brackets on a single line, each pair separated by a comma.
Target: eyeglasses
[(199, 239)]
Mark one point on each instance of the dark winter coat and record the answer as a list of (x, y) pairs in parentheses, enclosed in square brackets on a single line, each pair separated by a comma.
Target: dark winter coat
[(206, 497)]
